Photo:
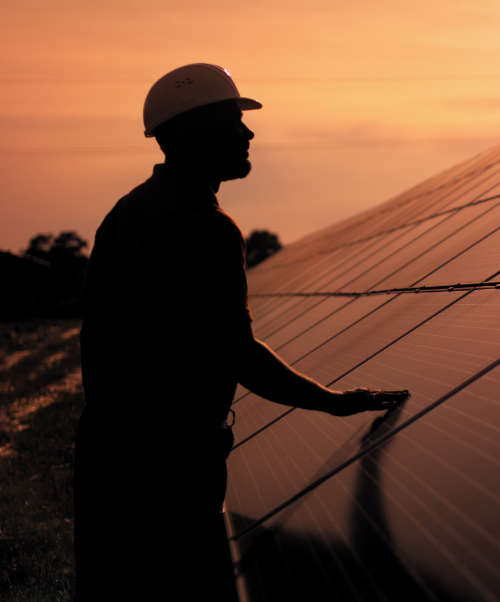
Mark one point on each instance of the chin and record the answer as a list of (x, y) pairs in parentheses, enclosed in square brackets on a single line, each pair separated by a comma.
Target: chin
[(234, 172)]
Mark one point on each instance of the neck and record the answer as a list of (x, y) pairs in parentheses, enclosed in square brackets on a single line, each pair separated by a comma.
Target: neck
[(198, 171)]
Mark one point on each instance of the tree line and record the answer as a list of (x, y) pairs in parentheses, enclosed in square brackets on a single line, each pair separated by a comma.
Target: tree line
[(46, 279)]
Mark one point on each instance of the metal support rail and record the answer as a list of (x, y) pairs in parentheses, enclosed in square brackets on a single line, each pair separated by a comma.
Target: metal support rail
[(439, 288)]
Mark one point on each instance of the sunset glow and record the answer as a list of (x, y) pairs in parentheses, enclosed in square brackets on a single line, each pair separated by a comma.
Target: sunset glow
[(360, 102)]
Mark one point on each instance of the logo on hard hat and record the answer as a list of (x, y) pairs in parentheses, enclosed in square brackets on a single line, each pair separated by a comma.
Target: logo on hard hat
[(179, 83)]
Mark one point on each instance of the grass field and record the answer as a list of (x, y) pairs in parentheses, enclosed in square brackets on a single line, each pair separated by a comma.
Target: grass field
[(40, 402)]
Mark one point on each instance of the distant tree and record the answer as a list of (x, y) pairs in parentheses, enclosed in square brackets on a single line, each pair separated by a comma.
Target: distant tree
[(261, 244), (70, 241), (57, 292), (67, 248), (68, 244), (39, 246)]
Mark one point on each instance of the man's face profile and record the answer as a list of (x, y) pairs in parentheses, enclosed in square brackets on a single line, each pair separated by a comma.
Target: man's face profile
[(229, 138), (213, 138)]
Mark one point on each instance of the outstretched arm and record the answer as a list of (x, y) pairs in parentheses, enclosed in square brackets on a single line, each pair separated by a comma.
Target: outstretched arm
[(264, 373)]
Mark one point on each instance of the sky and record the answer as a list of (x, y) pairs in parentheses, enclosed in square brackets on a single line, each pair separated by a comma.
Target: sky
[(361, 101)]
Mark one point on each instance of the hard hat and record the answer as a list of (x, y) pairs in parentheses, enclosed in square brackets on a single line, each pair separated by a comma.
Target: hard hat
[(189, 87)]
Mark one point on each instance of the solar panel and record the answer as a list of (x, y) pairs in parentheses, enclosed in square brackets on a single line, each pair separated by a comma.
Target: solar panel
[(375, 506)]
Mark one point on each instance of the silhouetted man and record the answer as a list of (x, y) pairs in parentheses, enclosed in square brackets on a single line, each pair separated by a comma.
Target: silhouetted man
[(165, 339)]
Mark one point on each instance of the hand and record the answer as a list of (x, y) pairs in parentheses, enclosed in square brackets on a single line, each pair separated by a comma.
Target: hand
[(361, 400)]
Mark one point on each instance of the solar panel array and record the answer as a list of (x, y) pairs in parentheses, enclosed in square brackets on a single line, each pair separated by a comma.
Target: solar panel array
[(377, 506)]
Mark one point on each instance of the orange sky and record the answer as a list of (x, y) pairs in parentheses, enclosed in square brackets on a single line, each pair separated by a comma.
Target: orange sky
[(360, 102)]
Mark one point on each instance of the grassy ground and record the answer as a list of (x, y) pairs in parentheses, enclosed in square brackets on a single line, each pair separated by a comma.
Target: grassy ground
[(40, 402)]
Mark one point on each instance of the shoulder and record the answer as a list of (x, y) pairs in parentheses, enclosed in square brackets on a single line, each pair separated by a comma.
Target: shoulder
[(150, 200), (139, 215), (227, 227)]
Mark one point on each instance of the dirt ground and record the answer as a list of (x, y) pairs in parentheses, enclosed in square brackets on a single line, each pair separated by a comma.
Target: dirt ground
[(40, 402)]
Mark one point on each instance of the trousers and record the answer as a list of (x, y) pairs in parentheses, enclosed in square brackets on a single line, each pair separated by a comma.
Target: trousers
[(148, 512)]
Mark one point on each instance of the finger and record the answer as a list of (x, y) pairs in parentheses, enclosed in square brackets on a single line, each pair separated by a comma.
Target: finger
[(391, 399)]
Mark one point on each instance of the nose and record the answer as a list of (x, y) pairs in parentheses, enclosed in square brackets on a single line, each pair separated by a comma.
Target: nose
[(248, 132)]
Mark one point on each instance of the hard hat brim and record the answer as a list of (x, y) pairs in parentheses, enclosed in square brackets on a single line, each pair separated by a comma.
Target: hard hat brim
[(245, 104), (248, 104)]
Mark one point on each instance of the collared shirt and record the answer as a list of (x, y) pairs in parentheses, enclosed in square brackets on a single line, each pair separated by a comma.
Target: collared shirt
[(165, 301)]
